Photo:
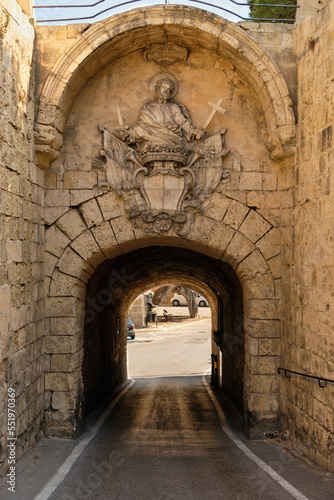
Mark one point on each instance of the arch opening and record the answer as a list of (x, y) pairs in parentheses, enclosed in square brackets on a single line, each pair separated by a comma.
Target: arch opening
[(115, 284)]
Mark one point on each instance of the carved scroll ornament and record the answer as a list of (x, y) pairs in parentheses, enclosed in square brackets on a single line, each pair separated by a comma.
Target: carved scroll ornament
[(166, 54)]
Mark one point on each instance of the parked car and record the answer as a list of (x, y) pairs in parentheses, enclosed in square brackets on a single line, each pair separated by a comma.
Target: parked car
[(131, 329), (180, 300)]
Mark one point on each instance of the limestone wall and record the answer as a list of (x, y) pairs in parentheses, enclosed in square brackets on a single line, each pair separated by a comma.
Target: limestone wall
[(21, 235), (279, 41), (270, 223), (309, 340)]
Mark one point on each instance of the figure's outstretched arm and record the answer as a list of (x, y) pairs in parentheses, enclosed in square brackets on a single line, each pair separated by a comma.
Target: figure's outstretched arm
[(182, 117)]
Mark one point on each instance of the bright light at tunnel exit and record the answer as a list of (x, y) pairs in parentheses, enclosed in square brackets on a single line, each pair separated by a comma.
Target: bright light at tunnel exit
[(167, 342)]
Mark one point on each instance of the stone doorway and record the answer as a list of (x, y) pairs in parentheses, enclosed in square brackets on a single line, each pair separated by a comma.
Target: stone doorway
[(117, 281), (86, 345)]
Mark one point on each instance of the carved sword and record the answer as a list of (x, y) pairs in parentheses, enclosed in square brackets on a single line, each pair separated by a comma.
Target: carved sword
[(120, 119)]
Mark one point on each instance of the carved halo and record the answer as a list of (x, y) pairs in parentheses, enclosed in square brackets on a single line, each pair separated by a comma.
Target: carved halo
[(162, 76)]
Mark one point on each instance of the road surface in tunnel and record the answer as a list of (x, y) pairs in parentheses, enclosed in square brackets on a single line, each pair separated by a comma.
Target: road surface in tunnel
[(163, 439)]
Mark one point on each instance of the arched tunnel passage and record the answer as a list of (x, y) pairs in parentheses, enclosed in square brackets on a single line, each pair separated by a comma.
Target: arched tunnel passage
[(115, 284)]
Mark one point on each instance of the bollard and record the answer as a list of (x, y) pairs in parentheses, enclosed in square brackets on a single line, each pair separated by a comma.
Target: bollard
[(215, 380), (212, 369)]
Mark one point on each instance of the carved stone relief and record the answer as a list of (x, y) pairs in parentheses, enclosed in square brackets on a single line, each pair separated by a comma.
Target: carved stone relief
[(163, 167), (166, 54)]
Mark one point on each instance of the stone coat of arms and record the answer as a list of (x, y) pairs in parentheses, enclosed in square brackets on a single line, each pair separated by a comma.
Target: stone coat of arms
[(163, 167)]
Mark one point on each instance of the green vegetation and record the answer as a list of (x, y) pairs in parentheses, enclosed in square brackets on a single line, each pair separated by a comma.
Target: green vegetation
[(269, 12)]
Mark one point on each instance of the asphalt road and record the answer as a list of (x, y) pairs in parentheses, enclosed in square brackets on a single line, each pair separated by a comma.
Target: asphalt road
[(170, 351), (163, 439), (164, 442)]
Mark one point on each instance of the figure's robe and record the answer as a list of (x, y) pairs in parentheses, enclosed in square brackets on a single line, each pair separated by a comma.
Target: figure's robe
[(162, 125)]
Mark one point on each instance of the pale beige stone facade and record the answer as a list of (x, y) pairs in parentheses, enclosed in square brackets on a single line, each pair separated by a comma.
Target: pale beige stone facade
[(22, 234), (309, 339), (262, 243)]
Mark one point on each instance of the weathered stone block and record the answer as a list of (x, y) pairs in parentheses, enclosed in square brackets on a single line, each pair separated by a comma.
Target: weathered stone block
[(258, 200), (123, 230), (104, 236), (56, 241), (235, 214), (19, 317), (270, 243), (269, 181), (250, 181), (59, 382), (238, 248), (71, 224), (67, 326), (64, 401), (79, 180), (62, 306), (64, 285), (269, 347), (91, 213), (264, 384), (57, 198), (268, 365), (62, 344), (203, 230), (254, 226), (249, 165), (275, 264), (65, 362), (260, 287), (252, 266), (50, 263), (86, 246), (4, 298), (252, 345), (109, 205), (79, 196), (262, 403), (262, 309), (217, 207), (52, 214), (71, 263)]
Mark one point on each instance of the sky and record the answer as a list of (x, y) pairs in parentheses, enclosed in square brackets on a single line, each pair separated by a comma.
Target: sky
[(65, 13)]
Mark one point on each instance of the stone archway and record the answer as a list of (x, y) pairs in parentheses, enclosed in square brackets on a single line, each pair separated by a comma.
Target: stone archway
[(108, 40), (77, 246), (117, 281)]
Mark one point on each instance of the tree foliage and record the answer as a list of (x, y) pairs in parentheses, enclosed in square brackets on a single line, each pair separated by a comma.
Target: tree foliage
[(269, 12)]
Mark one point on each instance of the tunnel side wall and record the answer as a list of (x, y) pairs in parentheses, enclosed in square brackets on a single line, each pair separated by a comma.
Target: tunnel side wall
[(233, 349), (104, 358)]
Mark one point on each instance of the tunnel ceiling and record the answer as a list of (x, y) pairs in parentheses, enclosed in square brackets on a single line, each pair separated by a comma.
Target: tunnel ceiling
[(126, 276)]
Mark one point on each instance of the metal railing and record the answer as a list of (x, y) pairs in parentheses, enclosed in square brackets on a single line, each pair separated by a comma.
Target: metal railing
[(237, 9), (321, 380)]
